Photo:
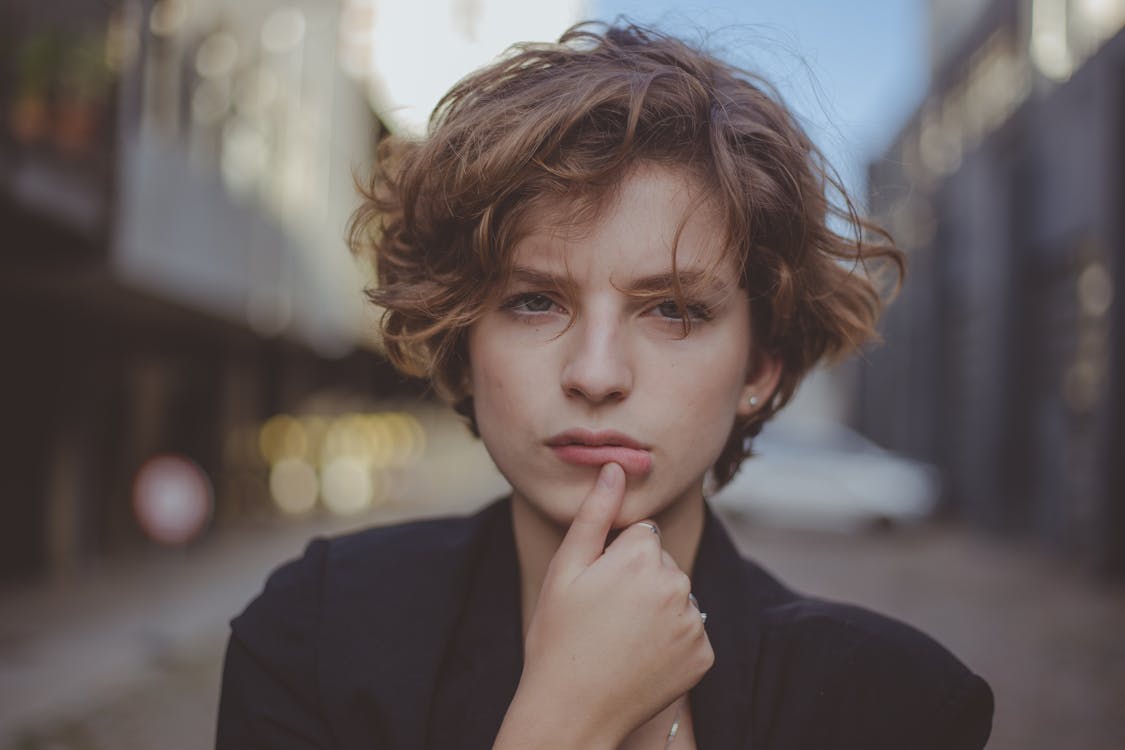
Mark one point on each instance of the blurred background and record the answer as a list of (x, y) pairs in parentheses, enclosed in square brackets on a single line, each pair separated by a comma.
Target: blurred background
[(192, 388)]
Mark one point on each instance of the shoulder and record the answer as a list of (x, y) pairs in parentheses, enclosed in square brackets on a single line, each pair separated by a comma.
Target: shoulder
[(308, 647), (360, 568), (419, 548), (871, 677)]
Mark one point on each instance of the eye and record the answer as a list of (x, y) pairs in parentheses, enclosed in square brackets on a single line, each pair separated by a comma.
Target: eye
[(529, 303), (669, 310)]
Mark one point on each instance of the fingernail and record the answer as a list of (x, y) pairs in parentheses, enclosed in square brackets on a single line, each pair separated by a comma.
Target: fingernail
[(610, 475)]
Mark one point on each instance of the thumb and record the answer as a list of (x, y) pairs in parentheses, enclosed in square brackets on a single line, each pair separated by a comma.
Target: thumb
[(585, 540)]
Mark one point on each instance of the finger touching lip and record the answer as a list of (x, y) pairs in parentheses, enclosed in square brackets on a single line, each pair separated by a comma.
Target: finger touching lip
[(635, 461)]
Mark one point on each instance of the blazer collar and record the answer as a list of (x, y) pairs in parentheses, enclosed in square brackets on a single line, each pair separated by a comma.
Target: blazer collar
[(486, 655), (720, 702)]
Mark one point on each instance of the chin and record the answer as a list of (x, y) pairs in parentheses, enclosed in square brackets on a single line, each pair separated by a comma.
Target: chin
[(558, 503)]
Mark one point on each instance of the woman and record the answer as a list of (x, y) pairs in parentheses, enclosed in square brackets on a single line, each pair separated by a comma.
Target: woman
[(612, 255)]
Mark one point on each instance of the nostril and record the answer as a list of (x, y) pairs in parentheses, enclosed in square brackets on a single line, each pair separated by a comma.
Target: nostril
[(595, 394), (597, 373)]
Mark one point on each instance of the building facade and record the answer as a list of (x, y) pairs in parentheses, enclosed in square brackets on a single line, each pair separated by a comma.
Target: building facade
[(1005, 362), (175, 177), (187, 345)]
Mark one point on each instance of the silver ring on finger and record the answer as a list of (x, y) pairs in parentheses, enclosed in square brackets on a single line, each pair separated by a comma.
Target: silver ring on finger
[(652, 527), (695, 603)]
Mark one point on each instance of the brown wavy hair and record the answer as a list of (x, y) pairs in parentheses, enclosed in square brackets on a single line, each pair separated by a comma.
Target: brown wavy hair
[(564, 123)]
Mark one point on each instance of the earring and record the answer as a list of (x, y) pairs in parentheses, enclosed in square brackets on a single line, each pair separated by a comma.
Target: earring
[(753, 400)]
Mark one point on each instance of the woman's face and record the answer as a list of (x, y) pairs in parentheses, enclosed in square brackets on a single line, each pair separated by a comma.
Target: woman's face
[(622, 383)]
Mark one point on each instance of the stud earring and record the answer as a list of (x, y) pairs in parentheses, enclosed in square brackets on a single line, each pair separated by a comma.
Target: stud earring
[(753, 400)]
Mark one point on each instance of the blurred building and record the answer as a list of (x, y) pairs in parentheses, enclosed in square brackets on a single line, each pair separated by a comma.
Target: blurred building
[(175, 178), (1005, 362), (186, 342)]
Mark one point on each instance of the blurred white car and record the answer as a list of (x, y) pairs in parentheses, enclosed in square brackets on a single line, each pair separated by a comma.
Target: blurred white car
[(824, 475)]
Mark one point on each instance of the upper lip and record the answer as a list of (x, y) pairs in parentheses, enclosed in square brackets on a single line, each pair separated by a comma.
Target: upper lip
[(595, 438)]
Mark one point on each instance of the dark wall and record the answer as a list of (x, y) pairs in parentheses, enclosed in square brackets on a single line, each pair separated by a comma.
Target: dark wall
[(1003, 342)]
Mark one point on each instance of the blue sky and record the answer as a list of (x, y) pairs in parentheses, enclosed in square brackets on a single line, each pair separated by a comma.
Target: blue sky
[(853, 71)]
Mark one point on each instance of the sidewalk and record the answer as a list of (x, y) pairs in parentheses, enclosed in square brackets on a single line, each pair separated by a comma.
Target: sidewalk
[(127, 656), (131, 659), (70, 652)]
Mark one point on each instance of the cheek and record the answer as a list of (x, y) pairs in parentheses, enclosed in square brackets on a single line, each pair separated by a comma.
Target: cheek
[(706, 421), (708, 379), (501, 384), (705, 397), (488, 387)]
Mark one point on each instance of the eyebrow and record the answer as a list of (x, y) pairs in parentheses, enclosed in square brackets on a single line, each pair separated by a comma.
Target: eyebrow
[(689, 280)]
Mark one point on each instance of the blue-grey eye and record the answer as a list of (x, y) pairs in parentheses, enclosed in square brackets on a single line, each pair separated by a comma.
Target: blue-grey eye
[(536, 302), (695, 311), (529, 303)]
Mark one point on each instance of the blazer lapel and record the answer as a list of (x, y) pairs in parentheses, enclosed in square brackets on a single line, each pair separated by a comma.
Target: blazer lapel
[(722, 700), (483, 669), (404, 617)]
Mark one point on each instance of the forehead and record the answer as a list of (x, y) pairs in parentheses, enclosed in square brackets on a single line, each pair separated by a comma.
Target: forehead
[(655, 220)]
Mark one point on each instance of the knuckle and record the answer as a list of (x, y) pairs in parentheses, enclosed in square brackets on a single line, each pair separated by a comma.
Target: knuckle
[(704, 656), (676, 587), (683, 631), (639, 551), (647, 541), (628, 537), (635, 557), (693, 626)]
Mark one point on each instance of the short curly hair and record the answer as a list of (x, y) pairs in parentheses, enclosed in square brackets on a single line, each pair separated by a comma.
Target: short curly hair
[(566, 122)]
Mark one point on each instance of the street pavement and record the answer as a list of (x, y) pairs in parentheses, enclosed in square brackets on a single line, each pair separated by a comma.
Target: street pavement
[(128, 657)]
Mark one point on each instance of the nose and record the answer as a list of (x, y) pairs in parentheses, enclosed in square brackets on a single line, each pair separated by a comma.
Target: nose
[(597, 367)]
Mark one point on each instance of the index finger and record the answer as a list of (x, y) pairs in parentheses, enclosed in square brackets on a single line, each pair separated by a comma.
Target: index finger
[(585, 540)]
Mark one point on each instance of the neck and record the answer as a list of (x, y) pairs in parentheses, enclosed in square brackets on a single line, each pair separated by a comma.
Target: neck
[(538, 537)]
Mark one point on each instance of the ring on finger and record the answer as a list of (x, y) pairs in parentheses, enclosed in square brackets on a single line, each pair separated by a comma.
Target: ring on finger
[(695, 603), (652, 527)]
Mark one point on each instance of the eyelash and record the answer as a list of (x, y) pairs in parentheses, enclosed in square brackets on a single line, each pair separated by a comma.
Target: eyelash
[(696, 311), (518, 303)]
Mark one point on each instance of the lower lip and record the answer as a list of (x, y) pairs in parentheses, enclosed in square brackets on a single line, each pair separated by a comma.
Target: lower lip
[(634, 461)]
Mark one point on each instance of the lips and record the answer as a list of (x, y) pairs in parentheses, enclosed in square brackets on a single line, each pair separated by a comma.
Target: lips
[(589, 448)]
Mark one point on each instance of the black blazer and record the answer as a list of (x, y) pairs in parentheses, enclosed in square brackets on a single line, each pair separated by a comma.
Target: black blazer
[(408, 638)]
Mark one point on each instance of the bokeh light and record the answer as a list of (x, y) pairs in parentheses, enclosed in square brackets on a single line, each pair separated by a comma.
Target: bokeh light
[(346, 485), (172, 499), (1095, 290), (283, 436), (293, 486), (283, 30), (167, 17), (217, 55), (342, 461)]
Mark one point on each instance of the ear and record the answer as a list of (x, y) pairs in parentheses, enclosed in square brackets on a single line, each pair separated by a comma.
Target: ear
[(760, 384)]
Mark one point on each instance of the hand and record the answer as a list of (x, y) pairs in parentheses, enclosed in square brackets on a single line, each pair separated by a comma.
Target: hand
[(613, 638)]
